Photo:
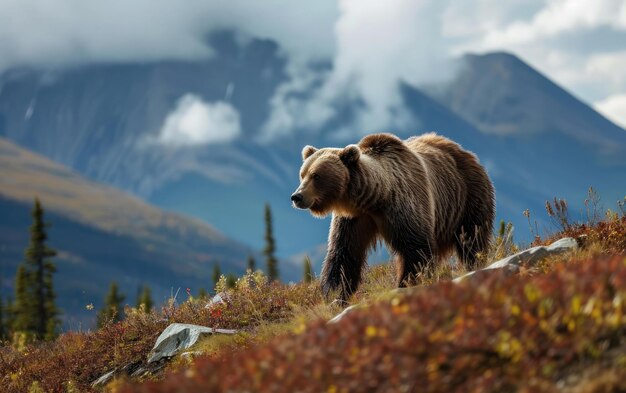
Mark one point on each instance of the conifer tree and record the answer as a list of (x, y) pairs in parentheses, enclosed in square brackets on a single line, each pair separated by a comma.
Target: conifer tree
[(270, 246), (308, 270), (251, 263), (3, 329), (112, 310), (217, 273), (35, 311), (231, 281), (145, 299)]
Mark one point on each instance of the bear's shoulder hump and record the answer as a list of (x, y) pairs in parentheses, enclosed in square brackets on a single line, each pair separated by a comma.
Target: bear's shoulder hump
[(374, 144)]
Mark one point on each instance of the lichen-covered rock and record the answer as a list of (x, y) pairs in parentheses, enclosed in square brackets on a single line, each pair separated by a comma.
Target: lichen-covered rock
[(180, 336), (530, 257)]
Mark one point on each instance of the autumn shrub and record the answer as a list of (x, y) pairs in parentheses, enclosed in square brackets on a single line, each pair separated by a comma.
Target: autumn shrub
[(80, 358), (503, 334)]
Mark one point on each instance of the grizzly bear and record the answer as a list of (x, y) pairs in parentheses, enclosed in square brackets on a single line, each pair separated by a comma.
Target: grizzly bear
[(424, 197)]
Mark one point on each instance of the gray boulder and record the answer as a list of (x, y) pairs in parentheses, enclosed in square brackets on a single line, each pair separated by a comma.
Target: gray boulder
[(104, 379), (345, 312), (178, 337), (529, 257)]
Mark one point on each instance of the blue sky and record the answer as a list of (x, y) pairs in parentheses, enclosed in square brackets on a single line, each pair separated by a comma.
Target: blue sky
[(581, 44)]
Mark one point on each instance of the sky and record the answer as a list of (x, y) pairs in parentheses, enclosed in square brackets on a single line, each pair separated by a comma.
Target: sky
[(580, 44)]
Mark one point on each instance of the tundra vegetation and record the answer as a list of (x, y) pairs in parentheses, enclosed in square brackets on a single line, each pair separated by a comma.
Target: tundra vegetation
[(555, 326)]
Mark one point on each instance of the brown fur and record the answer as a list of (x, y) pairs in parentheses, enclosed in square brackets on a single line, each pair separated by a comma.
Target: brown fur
[(425, 197)]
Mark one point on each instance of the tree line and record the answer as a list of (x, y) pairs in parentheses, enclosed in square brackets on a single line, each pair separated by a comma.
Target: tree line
[(33, 313)]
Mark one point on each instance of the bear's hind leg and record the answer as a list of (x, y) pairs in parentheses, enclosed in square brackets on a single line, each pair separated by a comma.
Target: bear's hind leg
[(471, 239), (348, 243), (413, 253), (409, 265)]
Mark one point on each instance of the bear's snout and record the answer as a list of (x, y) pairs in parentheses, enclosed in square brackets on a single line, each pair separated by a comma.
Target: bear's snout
[(297, 200)]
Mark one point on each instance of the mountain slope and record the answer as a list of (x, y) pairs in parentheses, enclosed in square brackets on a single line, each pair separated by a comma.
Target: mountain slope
[(103, 234), (502, 95)]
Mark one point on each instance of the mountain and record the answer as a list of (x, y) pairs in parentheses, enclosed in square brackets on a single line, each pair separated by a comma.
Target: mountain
[(502, 95), (550, 142), (536, 140), (104, 235)]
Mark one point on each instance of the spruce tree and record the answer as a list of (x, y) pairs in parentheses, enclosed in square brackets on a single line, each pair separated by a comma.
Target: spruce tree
[(231, 281), (3, 329), (270, 246), (112, 310), (35, 311), (251, 263), (308, 270), (21, 321), (145, 299), (217, 273)]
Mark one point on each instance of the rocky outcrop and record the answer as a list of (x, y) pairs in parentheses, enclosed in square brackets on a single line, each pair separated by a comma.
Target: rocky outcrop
[(173, 341), (509, 264), (528, 257), (178, 337)]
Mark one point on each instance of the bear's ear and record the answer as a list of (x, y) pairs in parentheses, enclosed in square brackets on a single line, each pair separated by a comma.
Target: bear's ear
[(350, 154), (308, 151)]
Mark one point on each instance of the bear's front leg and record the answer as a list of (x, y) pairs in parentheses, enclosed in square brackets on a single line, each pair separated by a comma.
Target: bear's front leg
[(349, 241)]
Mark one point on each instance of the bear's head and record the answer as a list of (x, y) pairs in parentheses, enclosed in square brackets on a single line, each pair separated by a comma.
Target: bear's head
[(324, 178)]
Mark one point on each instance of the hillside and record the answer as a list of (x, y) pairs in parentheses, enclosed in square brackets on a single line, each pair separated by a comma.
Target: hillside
[(103, 234), (556, 325)]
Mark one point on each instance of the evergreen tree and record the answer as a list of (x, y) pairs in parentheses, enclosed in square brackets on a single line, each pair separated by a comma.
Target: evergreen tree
[(231, 281), (35, 311), (3, 329), (112, 310), (145, 298), (270, 246), (21, 320), (308, 270), (202, 294), (251, 263), (217, 273)]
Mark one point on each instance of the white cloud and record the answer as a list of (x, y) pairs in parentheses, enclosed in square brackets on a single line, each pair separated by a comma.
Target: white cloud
[(378, 44), (65, 32), (614, 108), (561, 16), (372, 44), (195, 122)]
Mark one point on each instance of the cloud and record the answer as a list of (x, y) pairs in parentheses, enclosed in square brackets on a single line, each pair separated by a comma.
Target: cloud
[(378, 45), (370, 45), (614, 108), (194, 122), (559, 17), (66, 32), (578, 44)]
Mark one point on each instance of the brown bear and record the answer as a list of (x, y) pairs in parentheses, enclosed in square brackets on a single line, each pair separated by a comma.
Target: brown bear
[(424, 197)]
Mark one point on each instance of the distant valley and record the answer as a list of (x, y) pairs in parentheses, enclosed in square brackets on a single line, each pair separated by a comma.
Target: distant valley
[(105, 235)]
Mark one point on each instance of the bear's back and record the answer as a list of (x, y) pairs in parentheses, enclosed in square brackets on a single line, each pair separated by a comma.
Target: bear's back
[(442, 158)]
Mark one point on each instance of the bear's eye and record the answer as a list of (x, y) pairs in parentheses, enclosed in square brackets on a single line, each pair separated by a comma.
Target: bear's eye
[(315, 176)]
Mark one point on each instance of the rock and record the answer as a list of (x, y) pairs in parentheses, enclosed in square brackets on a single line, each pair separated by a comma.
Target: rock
[(104, 379), (342, 314), (180, 336), (219, 298), (530, 257)]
